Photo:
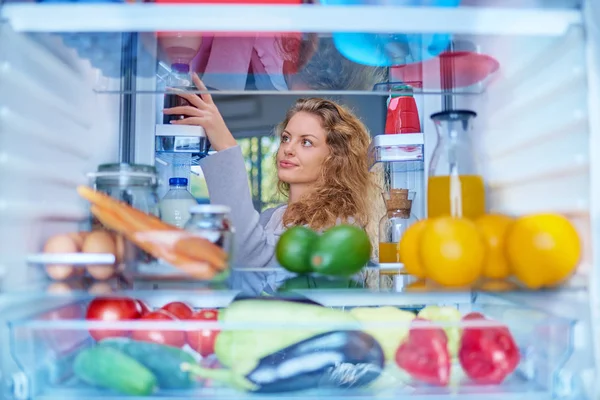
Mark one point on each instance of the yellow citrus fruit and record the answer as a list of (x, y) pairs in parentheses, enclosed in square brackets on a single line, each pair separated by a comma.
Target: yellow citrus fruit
[(408, 249), (543, 249), (452, 251), (493, 228)]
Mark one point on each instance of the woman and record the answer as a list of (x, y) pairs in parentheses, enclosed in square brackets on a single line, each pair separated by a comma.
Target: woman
[(321, 166)]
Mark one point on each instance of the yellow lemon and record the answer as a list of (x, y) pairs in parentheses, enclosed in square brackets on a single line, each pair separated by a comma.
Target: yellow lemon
[(452, 251), (493, 227), (408, 249), (543, 249)]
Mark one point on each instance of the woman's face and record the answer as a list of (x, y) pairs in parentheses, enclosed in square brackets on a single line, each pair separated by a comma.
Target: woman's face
[(302, 150)]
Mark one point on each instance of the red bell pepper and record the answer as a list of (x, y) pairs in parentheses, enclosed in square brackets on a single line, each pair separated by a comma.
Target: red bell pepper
[(424, 355), (487, 354)]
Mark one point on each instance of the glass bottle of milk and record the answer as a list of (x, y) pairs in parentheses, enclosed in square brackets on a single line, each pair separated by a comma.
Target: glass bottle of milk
[(175, 206)]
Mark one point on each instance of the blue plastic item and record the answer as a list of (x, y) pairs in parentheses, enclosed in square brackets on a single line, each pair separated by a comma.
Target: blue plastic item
[(178, 181), (385, 50)]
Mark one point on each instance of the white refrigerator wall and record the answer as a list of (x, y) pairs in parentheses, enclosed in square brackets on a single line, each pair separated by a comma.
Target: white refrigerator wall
[(54, 129)]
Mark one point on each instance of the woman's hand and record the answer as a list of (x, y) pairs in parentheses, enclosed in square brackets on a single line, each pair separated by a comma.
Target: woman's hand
[(203, 112)]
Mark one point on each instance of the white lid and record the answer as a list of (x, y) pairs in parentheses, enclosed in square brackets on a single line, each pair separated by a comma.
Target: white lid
[(179, 130), (210, 209)]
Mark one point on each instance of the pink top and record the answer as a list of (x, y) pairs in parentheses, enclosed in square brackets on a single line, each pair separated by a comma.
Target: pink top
[(225, 62)]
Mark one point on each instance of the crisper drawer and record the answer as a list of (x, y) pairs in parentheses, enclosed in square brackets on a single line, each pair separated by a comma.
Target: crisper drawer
[(294, 348)]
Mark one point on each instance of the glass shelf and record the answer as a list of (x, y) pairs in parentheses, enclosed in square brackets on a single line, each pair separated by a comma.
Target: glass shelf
[(307, 49), (376, 283)]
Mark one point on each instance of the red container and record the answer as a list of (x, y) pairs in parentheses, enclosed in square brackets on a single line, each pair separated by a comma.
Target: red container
[(402, 115)]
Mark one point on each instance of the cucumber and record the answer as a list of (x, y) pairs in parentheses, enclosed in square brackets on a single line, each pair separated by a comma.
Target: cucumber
[(108, 368), (163, 361)]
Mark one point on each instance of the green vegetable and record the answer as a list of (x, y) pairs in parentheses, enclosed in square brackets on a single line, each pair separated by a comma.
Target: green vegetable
[(446, 314), (293, 249), (164, 361), (342, 251), (111, 369), (389, 338), (241, 350)]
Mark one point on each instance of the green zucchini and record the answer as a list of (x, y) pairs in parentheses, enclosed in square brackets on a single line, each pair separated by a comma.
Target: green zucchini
[(109, 368), (164, 361)]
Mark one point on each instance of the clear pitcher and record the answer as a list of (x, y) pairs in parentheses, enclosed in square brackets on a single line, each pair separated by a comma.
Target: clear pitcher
[(455, 186)]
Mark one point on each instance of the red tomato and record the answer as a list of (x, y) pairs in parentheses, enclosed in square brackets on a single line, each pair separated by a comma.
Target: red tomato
[(179, 309), (487, 354), (424, 355), (168, 337), (144, 306), (203, 341), (112, 309)]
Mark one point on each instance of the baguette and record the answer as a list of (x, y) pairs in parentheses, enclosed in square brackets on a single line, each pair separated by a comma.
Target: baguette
[(137, 221), (195, 247), (187, 244), (193, 267)]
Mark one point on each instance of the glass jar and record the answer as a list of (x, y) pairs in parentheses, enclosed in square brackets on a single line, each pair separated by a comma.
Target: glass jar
[(212, 222), (393, 225), (136, 185), (455, 186)]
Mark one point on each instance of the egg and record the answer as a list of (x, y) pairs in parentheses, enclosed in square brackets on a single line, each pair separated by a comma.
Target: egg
[(100, 288), (58, 288), (56, 245), (64, 287), (99, 242)]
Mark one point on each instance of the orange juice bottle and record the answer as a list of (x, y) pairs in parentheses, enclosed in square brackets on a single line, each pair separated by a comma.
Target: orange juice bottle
[(454, 186)]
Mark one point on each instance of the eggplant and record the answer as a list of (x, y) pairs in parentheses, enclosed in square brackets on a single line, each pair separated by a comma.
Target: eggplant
[(339, 359), (331, 360)]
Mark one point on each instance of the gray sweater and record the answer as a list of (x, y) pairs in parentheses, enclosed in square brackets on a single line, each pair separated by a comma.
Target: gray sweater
[(255, 234)]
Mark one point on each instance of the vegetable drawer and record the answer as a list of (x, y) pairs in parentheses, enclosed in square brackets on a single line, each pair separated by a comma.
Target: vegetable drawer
[(293, 348)]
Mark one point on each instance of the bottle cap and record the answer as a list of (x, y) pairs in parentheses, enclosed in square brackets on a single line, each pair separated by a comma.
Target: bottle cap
[(178, 182)]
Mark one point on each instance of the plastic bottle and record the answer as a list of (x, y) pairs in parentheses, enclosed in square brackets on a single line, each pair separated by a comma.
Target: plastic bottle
[(175, 206), (402, 112), (179, 78)]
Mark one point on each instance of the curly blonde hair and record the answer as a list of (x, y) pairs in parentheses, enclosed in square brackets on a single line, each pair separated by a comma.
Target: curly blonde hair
[(345, 187)]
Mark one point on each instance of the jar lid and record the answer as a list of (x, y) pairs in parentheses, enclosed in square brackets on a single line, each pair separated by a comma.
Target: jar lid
[(123, 174), (210, 209), (124, 168)]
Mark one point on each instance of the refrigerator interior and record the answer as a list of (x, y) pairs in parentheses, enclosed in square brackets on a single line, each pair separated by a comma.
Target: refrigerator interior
[(62, 115)]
